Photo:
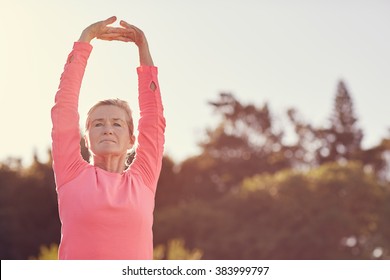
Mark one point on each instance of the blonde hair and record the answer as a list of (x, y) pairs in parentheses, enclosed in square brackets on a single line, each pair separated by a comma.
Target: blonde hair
[(114, 102)]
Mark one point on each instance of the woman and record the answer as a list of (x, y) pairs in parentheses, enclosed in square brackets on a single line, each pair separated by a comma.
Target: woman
[(106, 209)]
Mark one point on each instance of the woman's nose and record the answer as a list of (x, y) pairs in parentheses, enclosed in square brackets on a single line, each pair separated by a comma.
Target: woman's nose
[(107, 130)]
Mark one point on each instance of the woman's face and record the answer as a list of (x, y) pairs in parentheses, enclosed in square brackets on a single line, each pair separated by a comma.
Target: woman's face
[(108, 132)]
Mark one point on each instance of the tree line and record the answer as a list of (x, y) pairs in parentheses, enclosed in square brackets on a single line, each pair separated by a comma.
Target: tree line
[(249, 193)]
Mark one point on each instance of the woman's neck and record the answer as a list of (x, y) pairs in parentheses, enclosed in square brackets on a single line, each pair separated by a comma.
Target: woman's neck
[(113, 164)]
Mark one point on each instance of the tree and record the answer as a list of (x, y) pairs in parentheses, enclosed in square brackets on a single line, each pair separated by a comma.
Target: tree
[(339, 141), (28, 210), (247, 134), (335, 211), (168, 191), (377, 159), (343, 140), (245, 142)]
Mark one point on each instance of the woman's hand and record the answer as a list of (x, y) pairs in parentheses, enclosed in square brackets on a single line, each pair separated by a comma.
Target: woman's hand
[(136, 35), (101, 30), (126, 33)]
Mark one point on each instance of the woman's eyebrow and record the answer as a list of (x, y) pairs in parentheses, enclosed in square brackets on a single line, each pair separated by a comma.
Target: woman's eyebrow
[(113, 119), (97, 120), (117, 119)]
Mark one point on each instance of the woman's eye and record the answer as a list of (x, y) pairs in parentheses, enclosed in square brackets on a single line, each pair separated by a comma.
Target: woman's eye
[(98, 124), (117, 124)]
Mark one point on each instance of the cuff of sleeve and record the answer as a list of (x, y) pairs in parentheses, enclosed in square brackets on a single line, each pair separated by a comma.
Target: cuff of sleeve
[(82, 46), (144, 69), (80, 52)]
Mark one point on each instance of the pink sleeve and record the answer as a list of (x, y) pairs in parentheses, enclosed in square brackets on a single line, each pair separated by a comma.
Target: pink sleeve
[(67, 158), (151, 127)]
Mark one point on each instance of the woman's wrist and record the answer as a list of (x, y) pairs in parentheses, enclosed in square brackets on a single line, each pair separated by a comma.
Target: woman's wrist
[(85, 37), (145, 57)]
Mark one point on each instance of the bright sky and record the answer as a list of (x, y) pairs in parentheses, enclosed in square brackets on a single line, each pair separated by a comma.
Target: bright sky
[(289, 53)]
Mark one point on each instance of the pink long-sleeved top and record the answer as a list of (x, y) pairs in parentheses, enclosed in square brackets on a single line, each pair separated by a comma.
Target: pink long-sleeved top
[(105, 215)]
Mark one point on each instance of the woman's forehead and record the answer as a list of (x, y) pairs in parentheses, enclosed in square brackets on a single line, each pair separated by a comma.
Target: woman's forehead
[(108, 112)]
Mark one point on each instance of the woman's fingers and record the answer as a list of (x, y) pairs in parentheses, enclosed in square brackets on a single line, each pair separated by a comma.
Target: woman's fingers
[(130, 26), (139, 37), (124, 24), (117, 33), (116, 37), (110, 20), (126, 32), (116, 30)]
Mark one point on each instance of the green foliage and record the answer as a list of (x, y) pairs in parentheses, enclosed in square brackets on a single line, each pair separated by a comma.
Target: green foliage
[(168, 190), (176, 250), (47, 253), (247, 141), (28, 210), (324, 208), (331, 212)]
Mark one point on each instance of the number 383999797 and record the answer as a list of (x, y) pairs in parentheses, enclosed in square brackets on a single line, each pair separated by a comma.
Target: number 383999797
[(241, 270)]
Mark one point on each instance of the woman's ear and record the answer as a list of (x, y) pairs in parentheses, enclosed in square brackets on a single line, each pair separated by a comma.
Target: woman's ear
[(86, 141), (132, 141)]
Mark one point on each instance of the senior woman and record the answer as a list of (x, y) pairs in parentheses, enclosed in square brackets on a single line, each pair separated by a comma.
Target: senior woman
[(106, 207)]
